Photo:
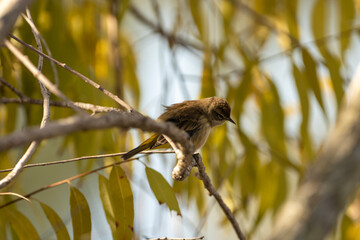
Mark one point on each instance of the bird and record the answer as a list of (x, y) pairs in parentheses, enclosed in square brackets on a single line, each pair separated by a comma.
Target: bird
[(196, 117)]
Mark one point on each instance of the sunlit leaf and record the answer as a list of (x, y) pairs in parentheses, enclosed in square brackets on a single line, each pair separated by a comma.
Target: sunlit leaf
[(196, 12), (80, 214), (334, 64), (292, 17), (207, 80), (306, 142), (122, 202), (347, 14), (106, 202), (162, 190), (21, 225), (312, 77), (56, 222), (319, 16)]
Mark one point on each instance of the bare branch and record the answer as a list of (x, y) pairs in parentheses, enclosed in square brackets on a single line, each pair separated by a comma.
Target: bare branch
[(87, 80), (39, 75), (9, 11), (67, 180), (12, 88), (100, 156), (83, 123), (85, 106), (208, 185), (330, 183)]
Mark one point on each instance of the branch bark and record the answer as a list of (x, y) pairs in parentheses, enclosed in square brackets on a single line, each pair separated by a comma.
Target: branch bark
[(330, 183), (9, 12)]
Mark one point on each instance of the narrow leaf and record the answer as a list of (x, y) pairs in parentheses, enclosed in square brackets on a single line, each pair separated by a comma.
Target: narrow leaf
[(318, 19), (312, 77), (122, 202), (56, 222), (195, 9), (20, 224), (106, 202), (80, 214), (347, 14), (162, 190)]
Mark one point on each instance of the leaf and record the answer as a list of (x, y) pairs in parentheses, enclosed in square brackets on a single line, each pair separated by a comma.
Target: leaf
[(196, 12), (80, 214), (291, 17), (318, 20), (106, 202), (162, 190), (306, 142), (312, 78), (56, 222), (333, 64), (347, 14), (207, 81), (20, 224), (122, 202)]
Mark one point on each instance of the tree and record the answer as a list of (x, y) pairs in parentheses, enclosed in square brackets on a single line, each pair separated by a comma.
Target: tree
[(278, 174)]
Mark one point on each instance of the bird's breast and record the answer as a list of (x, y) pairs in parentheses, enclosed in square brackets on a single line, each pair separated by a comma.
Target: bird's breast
[(200, 137)]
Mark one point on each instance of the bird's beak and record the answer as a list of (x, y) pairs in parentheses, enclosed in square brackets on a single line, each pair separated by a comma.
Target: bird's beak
[(232, 121)]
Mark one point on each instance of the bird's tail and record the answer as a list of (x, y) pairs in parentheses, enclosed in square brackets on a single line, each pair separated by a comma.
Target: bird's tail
[(147, 144)]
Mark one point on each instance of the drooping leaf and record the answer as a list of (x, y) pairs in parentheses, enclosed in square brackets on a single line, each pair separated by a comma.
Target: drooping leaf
[(106, 202), (56, 222), (196, 12), (347, 14), (207, 80), (319, 19), (80, 215), (312, 77), (21, 225), (162, 190), (122, 202), (291, 17)]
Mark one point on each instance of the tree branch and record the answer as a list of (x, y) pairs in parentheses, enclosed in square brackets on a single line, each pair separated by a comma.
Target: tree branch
[(9, 12), (208, 185), (123, 120), (330, 183)]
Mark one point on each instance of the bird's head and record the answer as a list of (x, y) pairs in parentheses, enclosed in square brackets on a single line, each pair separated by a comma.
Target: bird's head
[(219, 111)]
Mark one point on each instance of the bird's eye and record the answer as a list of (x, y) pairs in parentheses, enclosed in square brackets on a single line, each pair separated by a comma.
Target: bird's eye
[(219, 116)]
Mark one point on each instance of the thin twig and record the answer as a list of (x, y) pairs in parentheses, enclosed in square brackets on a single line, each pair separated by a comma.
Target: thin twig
[(167, 238), (67, 180), (12, 88), (41, 77), (34, 28), (45, 118), (86, 158), (85, 106), (87, 80), (208, 185)]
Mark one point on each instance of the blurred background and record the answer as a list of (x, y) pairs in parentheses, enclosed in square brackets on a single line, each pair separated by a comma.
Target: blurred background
[(283, 65)]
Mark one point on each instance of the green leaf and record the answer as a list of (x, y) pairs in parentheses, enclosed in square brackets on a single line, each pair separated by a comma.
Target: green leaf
[(122, 202), (312, 78), (20, 224), (319, 19), (106, 202), (56, 222), (347, 15), (334, 64), (207, 81), (80, 214), (162, 190), (196, 12), (306, 141), (291, 17)]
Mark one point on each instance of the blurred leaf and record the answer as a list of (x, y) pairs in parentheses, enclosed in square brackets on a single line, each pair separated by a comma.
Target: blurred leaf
[(80, 214), (123, 7), (56, 222), (227, 10), (207, 81), (291, 17), (301, 88), (272, 119), (162, 190), (106, 202), (333, 64), (122, 202), (311, 77), (347, 15), (3, 222), (196, 12), (21, 225), (349, 229), (319, 16)]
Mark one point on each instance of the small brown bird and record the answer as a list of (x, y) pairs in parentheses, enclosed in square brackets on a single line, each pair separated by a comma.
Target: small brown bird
[(195, 117)]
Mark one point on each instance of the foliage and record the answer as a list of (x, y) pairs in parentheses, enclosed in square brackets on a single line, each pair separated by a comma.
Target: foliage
[(241, 47)]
